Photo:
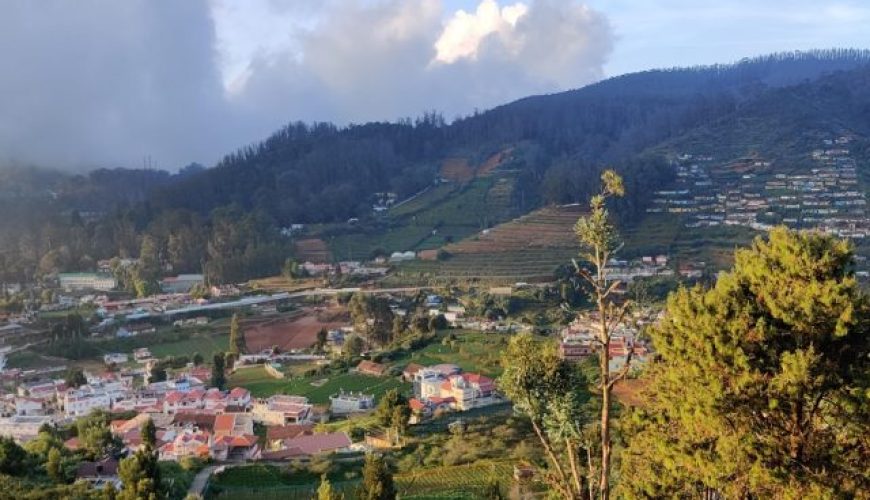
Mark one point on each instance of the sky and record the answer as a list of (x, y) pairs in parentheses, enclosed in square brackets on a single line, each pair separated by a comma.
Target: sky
[(107, 83)]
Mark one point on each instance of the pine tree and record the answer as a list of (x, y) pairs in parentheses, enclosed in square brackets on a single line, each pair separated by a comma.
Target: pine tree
[(761, 385), (149, 435), (53, 466), (237, 340), (377, 482), (325, 491), (218, 377)]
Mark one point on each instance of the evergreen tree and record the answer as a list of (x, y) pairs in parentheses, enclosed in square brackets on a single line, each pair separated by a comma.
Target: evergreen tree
[(761, 385), (149, 434), (322, 337), (13, 458), (237, 339), (325, 491), (54, 466), (141, 476), (377, 481), (218, 377)]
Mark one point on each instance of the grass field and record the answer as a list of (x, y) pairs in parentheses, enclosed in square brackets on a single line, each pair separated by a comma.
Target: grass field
[(471, 351), (262, 385), (207, 345)]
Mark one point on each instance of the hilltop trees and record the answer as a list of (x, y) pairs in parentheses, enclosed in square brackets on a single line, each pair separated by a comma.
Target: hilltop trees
[(761, 386)]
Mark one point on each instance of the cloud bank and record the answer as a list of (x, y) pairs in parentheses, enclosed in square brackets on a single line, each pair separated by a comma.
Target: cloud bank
[(104, 83)]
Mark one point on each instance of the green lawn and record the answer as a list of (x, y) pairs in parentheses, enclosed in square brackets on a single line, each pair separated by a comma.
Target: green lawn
[(470, 350), (207, 345), (262, 385)]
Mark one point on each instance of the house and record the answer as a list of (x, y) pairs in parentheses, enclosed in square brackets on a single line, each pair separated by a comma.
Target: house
[(277, 434), (135, 329), (182, 283), (99, 473), (115, 358), (367, 367), (179, 400), (23, 428), (410, 371), (470, 390), (308, 445), (10, 331), (142, 355), (282, 410), (239, 397), (87, 281), (29, 406), (243, 447), (345, 403), (233, 424), (187, 443)]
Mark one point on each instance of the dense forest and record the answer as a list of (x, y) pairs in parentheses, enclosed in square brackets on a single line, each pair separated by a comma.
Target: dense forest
[(224, 220)]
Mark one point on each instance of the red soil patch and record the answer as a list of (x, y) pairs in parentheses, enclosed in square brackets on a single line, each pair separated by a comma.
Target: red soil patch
[(493, 162), (288, 334), (457, 169), (312, 250), (428, 254)]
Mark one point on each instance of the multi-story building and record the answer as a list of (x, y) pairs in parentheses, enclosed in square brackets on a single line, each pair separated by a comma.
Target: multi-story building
[(87, 281)]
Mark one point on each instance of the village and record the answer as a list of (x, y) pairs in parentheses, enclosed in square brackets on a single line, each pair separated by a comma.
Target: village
[(826, 197)]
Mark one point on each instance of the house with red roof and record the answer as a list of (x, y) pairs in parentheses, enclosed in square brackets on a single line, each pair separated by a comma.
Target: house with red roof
[(282, 409), (367, 367), (308, 445)]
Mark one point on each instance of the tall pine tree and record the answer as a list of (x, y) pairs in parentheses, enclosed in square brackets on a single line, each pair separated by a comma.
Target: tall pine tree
[(761, 388)]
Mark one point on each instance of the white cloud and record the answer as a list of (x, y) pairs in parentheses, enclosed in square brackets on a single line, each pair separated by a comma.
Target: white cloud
[(104, 83), (464, 32)]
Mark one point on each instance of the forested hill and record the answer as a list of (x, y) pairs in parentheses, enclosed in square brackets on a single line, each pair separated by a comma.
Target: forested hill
[(503, 162), (322, 173)]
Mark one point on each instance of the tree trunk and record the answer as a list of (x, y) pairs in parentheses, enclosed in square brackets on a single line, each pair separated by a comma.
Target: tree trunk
[(604, 361)]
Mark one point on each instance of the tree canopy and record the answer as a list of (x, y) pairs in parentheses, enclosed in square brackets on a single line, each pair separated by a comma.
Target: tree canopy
[(761, 386)]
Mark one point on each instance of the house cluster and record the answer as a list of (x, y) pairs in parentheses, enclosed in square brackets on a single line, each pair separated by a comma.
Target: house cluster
[(579, 340), (445, 387), (345, 267), (825, 196)]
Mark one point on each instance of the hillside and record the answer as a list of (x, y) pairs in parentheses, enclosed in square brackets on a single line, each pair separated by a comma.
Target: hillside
[(529, 248), (372, 189)]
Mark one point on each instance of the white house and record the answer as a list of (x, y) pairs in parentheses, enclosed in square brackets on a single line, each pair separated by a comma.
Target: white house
[(115, 358), (351, 402)]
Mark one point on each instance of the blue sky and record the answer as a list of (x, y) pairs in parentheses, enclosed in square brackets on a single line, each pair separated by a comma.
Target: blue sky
[(665, 33), (103, 84)]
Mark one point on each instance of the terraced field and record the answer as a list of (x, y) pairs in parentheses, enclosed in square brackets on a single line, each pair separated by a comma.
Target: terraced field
[(529, 248)]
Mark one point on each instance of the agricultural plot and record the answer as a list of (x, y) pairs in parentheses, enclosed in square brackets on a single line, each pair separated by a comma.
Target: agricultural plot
[(445, 213), (312, 249), (458, 481), (263, 482), (529, 248), (316, 389), (287, 335)]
